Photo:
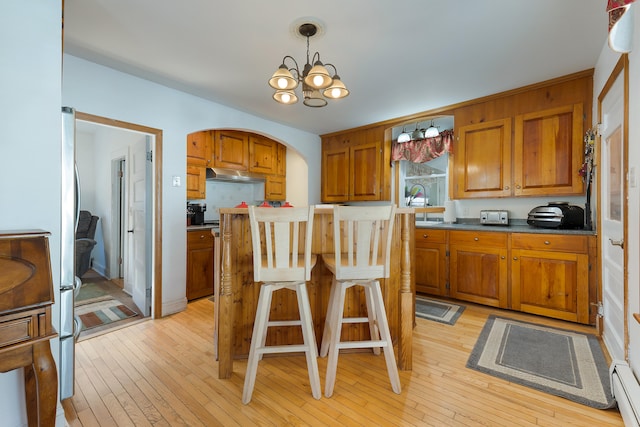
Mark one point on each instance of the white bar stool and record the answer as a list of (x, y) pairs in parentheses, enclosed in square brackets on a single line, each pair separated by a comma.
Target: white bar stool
[(279, 264), (362, 242)]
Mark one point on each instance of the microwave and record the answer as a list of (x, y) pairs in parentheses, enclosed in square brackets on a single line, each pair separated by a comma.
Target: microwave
[(494, 217)]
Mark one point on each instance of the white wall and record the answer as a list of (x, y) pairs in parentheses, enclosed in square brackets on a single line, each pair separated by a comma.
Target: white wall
[(98, 90), (30, 170)]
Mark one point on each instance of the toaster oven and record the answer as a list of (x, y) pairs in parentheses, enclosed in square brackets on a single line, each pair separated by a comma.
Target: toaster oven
[(556, 215)]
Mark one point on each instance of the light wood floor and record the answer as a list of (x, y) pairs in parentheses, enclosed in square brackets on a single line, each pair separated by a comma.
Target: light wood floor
[(162, 373)]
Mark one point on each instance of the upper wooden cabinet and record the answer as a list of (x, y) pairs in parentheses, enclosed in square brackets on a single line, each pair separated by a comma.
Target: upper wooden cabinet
[(263, 155), (482, 161), (355, 166), (230, 150), (196, 182), (528, 142), (548, 152), (199, 148)]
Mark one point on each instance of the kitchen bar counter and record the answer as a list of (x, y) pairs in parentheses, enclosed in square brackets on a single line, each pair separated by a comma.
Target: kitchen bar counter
[(515, 226), (237, 294)]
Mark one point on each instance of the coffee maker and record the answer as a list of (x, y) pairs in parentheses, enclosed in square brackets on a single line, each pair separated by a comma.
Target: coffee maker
[(195, 211)]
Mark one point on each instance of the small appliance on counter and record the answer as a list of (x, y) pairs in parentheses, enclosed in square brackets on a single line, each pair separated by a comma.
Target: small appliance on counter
[(494, 217), (196, 211), (556, 215)]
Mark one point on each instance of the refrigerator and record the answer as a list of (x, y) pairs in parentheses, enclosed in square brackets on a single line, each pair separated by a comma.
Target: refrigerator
[(70, 324)]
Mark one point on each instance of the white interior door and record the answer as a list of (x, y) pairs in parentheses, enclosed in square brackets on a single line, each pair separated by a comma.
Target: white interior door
[(612, 214), (137, 256)]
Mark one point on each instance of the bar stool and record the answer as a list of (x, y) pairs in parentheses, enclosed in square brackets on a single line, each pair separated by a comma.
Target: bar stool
[(362, 243), (279, 264)]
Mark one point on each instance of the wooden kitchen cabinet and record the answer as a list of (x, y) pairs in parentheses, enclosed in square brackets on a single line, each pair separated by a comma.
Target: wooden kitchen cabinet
[(549, 273), (355, 167), (548, 151), (478, 267), (482, 160), (196, 182), (263, 155), (275, 188), (199, 148), (230, 150), (200, 271), (431, 261)]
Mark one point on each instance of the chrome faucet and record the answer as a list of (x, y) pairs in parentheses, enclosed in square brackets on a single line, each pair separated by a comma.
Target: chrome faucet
[(424, 198)]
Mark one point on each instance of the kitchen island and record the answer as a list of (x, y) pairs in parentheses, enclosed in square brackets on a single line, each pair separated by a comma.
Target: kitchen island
[(236, 296)]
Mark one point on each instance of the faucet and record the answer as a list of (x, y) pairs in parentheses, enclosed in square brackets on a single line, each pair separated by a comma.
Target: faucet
[(424, 197)]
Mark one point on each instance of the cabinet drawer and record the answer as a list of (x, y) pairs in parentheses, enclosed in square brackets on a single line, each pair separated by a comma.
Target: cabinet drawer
[(427, 235), (17, 330), (478, 238), (200, 238), (550, 242)]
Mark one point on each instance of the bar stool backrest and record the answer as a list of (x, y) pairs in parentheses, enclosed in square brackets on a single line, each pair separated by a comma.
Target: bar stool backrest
[(281, 239), (362, 241)]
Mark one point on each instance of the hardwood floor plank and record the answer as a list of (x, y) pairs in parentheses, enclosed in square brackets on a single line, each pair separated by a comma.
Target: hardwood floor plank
[(163, 373)]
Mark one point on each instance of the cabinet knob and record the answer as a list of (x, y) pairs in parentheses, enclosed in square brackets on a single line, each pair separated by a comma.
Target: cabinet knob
[(518, 187), (502, 257), (424, 236), (546, 242), (202, 236), (515, 258), (476, 238), (506, 187)]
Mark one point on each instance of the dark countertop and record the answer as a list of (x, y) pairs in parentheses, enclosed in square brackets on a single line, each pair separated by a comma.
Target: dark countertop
[(515, 226), (215, 228)]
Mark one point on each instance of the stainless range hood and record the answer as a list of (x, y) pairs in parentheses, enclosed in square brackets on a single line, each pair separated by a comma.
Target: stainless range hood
[(232, 175)]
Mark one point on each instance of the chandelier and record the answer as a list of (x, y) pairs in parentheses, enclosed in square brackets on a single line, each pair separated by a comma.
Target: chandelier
[(314, 78)]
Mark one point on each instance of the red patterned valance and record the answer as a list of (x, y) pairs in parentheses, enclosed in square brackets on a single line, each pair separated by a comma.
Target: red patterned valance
[(423, 150)]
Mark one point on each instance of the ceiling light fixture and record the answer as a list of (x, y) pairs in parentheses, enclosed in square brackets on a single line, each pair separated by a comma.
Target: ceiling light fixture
[(404, 136), (417, 134), (431, 131), (317, 84)]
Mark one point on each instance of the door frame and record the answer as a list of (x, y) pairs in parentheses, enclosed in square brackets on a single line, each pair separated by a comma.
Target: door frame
[(156, 253), (621, 68)]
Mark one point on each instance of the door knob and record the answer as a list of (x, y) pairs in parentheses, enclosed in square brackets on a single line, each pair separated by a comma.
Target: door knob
[(617, 243)]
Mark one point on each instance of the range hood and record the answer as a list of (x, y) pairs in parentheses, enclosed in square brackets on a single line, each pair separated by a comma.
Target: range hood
[(232, 175)]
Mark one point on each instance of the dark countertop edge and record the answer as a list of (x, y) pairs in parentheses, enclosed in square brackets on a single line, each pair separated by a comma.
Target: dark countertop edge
[(513, 227)]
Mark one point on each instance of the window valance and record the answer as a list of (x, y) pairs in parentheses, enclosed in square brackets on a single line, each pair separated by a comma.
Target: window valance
[(423, 150)]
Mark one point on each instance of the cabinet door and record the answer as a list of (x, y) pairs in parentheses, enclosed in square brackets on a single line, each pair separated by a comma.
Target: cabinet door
[(553, 284), (196, 182), (548, 152), (199, 148), (199, 264), (263, 155), (478, 267), (364, 171), (482, 160), (281, 164), (431, 261), (275, 188), (231, 150), (335, 175)]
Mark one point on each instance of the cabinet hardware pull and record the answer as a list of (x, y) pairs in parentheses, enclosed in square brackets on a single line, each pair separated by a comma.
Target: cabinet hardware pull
[(202, 236), (476, 239), (546, 242), (502, 257), (617, 243), (506, 187), (425, 236), (515, 258), (518, 187)]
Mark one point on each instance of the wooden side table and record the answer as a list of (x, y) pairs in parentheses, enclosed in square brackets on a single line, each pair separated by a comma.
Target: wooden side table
[(26, 296)]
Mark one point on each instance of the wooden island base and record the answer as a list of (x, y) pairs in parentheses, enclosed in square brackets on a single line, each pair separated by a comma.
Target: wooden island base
[(237, 296)]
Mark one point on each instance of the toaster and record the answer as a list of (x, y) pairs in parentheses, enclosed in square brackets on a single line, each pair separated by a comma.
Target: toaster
[(494, 217), (556, 215)]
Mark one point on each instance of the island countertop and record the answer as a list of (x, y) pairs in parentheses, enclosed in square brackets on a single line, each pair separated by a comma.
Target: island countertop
[(236, 296)]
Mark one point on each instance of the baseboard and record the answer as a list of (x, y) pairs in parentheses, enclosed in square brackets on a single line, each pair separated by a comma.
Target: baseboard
[(173, 307)]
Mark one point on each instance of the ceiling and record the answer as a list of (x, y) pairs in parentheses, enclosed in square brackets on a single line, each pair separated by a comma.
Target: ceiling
[(398, 58)]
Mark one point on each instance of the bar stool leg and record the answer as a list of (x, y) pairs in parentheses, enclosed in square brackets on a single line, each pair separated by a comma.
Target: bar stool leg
[(336, 331), (257, 341), (371, 314), (383, 326), (328, 326), (309, 339)]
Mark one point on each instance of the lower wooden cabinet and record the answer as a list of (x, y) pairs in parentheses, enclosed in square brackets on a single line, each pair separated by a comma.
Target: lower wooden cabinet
[(200, 271), (478, 270), (431, 261), (544, 274), (550, 276)]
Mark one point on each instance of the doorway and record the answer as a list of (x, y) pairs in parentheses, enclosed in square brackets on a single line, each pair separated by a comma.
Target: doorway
[(152, 204), (613, 159)]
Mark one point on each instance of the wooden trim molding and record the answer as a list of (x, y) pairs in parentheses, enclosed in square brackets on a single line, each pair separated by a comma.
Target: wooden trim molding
[(157, 207)]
